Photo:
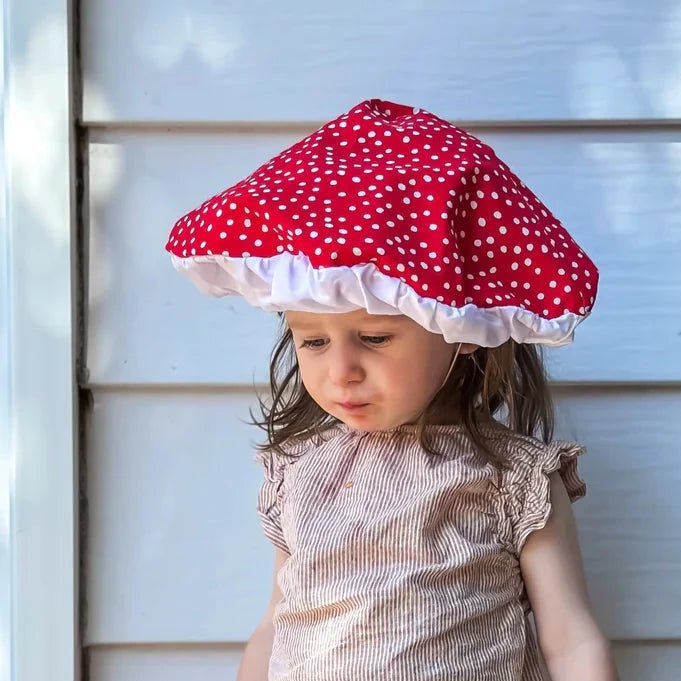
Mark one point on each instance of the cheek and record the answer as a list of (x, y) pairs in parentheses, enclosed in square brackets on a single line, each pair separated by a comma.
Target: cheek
[(430, 376), (308, 373), (413, 380), (435, 365), (442, 353)]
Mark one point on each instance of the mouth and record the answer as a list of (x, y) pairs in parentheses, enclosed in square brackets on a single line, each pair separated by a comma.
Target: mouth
[(352, 406)]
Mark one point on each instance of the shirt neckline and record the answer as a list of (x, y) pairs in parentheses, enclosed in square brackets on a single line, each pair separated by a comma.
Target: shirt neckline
[(411, 428)]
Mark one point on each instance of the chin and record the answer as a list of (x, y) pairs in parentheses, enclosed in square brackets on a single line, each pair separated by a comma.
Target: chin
[(358, 421), (367, 423)]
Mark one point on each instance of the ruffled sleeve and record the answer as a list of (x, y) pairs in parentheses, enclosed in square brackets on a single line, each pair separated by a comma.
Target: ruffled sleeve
[(271, 496), (526, 488)]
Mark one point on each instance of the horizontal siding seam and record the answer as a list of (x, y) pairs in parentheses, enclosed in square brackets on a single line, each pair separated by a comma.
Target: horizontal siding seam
[(259, 127), (243, 388)]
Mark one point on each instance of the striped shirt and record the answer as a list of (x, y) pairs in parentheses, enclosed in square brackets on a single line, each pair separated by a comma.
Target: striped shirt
[(403, 566)]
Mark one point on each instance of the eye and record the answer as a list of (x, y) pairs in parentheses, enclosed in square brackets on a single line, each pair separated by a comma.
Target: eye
[(314, 343), (376, 340)]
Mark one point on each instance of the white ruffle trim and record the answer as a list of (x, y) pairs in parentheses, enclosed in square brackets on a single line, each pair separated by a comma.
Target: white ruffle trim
[(289, 282)]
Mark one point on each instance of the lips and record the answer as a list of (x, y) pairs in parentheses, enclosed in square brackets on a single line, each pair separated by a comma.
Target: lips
[(352, 405)]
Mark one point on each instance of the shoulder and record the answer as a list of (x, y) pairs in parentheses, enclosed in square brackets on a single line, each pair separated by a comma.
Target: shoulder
[(534, 472), (533, 464), (524, 453), (530, 463)]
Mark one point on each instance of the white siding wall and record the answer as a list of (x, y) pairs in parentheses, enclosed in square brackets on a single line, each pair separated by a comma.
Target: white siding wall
[(181, 101)]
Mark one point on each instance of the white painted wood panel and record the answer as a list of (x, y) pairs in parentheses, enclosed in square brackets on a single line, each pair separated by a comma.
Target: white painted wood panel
[(648, 661), (495, 60), (174, 549), (175, 552), (652, 662), (165, 663), (618, 193), (145, 322), (630, 522)]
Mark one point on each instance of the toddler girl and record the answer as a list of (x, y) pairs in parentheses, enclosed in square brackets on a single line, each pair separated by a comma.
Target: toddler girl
[(418, 506)]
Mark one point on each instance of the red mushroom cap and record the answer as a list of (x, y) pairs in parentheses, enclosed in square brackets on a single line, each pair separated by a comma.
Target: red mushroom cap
[(393, 209)]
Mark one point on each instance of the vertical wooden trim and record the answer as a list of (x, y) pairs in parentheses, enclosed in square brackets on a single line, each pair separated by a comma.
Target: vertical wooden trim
[(38, 478), (5, 410)]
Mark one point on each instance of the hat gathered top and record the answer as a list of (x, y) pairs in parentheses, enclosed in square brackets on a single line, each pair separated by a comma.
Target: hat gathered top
[(393, 209)]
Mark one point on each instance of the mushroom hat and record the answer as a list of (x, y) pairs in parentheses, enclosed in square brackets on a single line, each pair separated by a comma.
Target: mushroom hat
[(395, 210)]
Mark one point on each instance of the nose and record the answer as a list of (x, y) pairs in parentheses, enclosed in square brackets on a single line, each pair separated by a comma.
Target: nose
[(344, 365)]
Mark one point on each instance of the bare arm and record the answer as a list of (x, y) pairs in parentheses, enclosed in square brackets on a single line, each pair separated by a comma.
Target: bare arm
[(256, 658), (571, 642)]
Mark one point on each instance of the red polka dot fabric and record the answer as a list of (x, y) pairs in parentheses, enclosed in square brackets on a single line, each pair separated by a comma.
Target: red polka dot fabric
[(393, 203)]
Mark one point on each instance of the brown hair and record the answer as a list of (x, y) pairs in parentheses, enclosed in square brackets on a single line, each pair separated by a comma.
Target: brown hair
[(510, 378)]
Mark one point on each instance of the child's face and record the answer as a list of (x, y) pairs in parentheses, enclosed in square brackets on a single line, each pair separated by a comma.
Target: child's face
[(373, 372)]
